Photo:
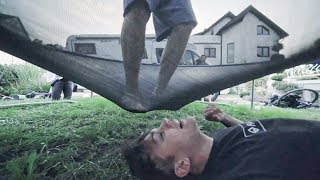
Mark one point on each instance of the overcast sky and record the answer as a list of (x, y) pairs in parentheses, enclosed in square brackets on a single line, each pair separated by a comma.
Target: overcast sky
[(53, 21)]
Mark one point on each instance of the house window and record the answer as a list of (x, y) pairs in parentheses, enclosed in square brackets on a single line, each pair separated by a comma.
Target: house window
[(261, 30), (85, 48), (210, 52), (263, 51), (230, 53)]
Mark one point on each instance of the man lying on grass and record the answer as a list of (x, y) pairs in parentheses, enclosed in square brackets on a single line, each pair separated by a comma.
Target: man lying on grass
[(259, 149)]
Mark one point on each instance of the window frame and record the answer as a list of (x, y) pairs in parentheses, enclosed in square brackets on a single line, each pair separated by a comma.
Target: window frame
[(210, 56), (77, 46), (264, 29), (262, 50), (228, 60), (182, 62)]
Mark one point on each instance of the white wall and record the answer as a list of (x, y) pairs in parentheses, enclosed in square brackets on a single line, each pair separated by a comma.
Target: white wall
[(245, 39), (211, 60), (218, 26), (208, 41)]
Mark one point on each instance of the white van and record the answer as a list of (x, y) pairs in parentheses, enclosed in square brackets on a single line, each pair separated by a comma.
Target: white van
[(109, 47)]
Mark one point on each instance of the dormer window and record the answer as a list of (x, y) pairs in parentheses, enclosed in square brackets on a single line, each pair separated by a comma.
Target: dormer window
[(262, 30)]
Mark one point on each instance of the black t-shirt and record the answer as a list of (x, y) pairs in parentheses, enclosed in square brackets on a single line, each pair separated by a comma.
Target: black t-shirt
[(266, 149)]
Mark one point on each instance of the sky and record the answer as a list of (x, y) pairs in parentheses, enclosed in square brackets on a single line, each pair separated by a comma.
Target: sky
[(53, 21)]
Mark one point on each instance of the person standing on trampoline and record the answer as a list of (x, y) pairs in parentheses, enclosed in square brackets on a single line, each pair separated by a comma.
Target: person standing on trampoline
[(172, 18)]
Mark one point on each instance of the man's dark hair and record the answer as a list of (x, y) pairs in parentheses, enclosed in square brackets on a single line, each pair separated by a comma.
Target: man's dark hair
[(137, 154)]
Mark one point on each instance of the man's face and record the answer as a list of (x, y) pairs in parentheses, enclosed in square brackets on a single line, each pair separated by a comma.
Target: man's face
[(173, 138)]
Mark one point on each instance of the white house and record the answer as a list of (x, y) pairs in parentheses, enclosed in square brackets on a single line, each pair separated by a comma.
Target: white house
[(245, 38)]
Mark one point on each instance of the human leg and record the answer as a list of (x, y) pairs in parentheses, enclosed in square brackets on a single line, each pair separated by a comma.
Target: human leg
[(67, 89), (57, 90), (133, 42), (172, 54), (176, 19)]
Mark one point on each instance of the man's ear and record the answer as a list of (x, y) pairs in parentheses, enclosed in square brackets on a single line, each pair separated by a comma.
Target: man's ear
[(182, 167)]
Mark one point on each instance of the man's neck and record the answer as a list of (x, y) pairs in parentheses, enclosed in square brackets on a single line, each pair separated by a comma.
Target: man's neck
[(200, 155)]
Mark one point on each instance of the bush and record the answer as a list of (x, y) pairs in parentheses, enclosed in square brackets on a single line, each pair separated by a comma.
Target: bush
[(233, 90), (8, 90), (7, 75), (8, 78), (242, 94), (277, 57), (277, 47), (31, 78), (278, 77), (22, 79), (284, 86), (260, 82)]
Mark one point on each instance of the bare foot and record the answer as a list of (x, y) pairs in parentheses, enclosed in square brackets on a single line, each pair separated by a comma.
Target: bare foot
[(133, 102), (158, 91)]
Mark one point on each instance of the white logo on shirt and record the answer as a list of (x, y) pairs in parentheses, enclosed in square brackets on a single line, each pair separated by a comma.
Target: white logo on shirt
[(251, 128)]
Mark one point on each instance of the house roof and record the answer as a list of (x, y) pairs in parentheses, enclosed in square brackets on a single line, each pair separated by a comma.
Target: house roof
[(229, 14), (259, 15)]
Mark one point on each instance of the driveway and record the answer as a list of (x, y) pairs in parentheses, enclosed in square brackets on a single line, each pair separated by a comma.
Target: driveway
[(231, 99)]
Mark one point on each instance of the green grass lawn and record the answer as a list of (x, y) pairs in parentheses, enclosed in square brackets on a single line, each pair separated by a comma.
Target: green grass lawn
[(81, 140)]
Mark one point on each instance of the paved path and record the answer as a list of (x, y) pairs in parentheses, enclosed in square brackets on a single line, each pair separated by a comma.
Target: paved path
[(230, 98), (233, 99)]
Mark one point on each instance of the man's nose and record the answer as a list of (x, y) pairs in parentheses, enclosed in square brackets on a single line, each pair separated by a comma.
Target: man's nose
[(165, 124)]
